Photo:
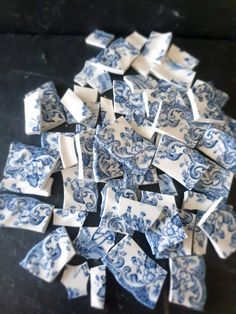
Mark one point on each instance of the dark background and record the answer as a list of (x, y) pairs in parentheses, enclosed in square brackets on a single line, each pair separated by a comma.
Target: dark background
[(44, 40)]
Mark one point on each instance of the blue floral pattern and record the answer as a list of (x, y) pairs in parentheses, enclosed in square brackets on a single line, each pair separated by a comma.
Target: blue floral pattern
[(187, 286), (166, 184), (124, 144), (190, 164), (167, 230), (125, 101), (24, 213), (47, 258), (99, 38), (140, 82), (134, 180), (93, 242), (70, 217), (135, 271), (28, 167)]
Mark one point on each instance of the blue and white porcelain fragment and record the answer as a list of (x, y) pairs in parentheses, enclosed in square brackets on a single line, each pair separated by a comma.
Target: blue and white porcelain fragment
[(84, 146), (183, 248), (91, 122), (166, 184), (50, 141), (79, 194), (156, 46), (173, 73), (97, 78), (220, 147), (187, 282), (180, 162), (24, 213), (142, 65), (47, 258), (99, 38), (87, 94), (206, 102), (117, 57), (176, 119), (137, 40), (215, 182), (70, 217), (75, 280), (219, 224), (67, 150), (28, 169), (135, 271), (137, 215), (98, 286), (110, 217), (140, 82), (134, 180), (107, 111), (181, 57), (167, 230), (93, 242), (75, 106), (126, 101), (105, 167), (43, 109), (124, 144)]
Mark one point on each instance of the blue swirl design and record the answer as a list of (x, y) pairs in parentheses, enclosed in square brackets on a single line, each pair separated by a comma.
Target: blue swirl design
[(137, 273), (47, 258), (188, 285), (29, 164), (23, 212)]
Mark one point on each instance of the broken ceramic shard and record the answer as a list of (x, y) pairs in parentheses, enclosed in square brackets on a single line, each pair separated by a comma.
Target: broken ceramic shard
[(167, 230), (79, 194), (75, 279), (110, 217), (70, 217), (117, 57), (99, 38), (84, 146), (124, 144), (220, 147), (24, 213), (156, 46), (28, 169), (187, 284), (47, 258), (145, 277), (219, 224), (43, 109), (178, 161), (181, 57), (93, 242), (98, 286), (76, 107), (138, 216), (166, 184), (67, 150)]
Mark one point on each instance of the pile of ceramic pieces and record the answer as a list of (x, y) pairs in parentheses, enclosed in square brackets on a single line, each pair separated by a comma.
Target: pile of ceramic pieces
[(159, 126)]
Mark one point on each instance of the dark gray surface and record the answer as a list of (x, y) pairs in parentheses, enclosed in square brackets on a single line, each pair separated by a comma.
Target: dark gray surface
[(25, 63), (201, 18)]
